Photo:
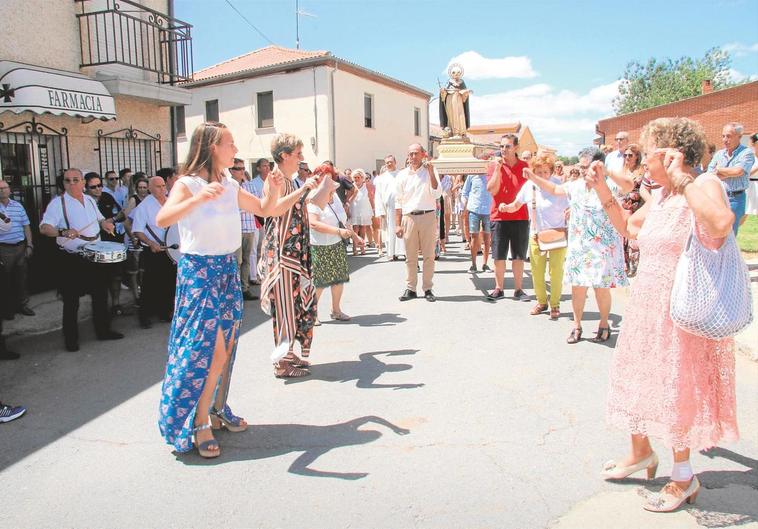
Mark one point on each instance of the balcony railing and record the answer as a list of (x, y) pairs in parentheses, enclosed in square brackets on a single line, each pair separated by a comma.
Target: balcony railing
[(127, 33)]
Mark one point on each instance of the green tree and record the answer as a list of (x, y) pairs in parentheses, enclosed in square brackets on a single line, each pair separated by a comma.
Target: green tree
[(569, 160), (658, 82)]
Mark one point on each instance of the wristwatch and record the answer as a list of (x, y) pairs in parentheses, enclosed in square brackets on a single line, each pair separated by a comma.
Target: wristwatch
[(60, 232)]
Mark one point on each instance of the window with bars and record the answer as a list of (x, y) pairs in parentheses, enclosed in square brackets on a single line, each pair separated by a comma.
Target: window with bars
[(368, 111), (417, 121)]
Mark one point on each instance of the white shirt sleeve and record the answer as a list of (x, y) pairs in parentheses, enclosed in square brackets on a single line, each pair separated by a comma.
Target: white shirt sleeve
[(53, 214)]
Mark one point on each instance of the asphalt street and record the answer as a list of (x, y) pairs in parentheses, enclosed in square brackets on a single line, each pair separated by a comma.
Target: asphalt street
[(459, 413)]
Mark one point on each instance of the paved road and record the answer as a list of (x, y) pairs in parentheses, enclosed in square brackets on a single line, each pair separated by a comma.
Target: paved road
[(461, 413)]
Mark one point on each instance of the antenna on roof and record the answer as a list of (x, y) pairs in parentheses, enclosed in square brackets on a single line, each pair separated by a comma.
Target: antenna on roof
[(298, 14)]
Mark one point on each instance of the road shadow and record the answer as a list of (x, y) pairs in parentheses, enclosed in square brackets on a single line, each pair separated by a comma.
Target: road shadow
[(723, 509), (365, 371), (262, 441), (385, 319)]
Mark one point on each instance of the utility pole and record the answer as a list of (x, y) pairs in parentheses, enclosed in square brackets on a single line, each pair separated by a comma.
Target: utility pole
[(298, 14)]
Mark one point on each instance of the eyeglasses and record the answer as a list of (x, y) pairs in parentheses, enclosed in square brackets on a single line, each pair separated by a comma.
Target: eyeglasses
[(629, 155), (71, 180), (95, 186)]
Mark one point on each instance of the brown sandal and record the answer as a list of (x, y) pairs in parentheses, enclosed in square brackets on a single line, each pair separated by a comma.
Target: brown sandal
[(575, 336), (555, 313), (296, 361), (284, 369), (539, 308)]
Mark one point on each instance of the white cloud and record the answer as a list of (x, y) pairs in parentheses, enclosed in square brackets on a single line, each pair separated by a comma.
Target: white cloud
[(740, 50), (562, 119), (477, 67), (737, 76)]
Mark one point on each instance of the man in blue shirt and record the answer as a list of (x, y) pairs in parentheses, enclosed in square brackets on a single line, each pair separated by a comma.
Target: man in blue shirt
[(732, 164), (478, 203), (15, 247)]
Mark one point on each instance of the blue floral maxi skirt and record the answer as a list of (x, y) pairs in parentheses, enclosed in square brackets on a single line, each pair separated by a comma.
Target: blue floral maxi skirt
[(208, 294)]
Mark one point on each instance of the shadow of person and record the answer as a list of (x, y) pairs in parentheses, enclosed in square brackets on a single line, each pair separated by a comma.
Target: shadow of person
[(385, 319), (262, 441), (365, 371)]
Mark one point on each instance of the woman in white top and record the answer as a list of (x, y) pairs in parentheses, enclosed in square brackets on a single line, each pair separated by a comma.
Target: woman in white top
[(361, 212), (327, 247), (546, 212), (203, 339)]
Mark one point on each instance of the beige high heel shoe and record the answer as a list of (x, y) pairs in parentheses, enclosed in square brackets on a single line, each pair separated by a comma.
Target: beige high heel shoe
[(612, 470), (671, 497)]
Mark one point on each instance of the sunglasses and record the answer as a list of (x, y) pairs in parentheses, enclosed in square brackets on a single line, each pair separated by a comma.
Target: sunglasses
[(95, 186), (112, 178), (236, 168)]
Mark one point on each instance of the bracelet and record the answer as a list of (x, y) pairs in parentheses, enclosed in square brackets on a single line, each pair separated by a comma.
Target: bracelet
[(609, 203)]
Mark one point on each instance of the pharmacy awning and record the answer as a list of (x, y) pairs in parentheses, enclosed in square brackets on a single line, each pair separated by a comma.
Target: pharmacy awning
[(27, 88)]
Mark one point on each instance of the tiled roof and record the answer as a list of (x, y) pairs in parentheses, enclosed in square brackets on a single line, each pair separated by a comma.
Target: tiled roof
[(268, 56)]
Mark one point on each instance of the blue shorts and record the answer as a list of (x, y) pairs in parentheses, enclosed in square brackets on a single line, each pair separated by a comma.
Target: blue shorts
[(738, 204), (477, 222)]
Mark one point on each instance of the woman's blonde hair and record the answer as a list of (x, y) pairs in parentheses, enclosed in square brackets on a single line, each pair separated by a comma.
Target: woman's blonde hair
[(543, 160), (284, 143), (200, 155), (682, 134)]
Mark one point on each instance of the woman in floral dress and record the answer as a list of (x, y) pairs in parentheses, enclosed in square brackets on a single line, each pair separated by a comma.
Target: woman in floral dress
[(665, 382), (595, 254)]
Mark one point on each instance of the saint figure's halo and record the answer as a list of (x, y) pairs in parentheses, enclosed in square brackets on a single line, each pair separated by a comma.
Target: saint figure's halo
[(454, 65)]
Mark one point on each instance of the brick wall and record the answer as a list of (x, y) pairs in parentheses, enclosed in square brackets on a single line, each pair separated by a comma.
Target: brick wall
[(711, 110)]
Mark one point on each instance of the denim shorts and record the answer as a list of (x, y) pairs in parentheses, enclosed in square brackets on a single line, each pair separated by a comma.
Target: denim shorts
[(477, 222)]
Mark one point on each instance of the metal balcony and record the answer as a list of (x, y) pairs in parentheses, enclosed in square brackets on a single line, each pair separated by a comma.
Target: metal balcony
[(126, 33)]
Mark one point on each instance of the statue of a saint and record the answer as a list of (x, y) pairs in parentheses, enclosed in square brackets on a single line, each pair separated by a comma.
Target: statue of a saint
[(454, 113)]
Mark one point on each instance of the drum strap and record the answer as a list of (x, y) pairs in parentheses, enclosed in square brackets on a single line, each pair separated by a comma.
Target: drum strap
[(161, 241), (68, 224)]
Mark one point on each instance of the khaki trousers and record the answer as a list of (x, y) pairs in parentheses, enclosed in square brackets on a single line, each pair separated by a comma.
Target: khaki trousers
[(243, 259), (419, 233)]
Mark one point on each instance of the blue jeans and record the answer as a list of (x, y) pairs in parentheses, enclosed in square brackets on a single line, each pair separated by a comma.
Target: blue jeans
[(478, 222), (737, 203)]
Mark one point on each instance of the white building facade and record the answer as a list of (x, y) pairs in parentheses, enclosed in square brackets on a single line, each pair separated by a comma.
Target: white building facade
[(341, 111)]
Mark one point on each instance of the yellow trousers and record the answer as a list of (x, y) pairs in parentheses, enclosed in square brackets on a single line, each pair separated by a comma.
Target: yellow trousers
[(539, 263)]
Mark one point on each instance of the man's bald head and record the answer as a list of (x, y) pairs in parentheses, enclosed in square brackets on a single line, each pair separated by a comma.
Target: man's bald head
[(157, 187)]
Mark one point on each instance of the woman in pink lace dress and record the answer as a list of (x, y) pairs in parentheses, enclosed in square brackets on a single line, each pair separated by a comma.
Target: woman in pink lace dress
[(664, 382)]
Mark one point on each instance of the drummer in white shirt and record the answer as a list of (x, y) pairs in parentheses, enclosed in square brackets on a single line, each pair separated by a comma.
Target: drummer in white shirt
[(74, 220), (159, 277)]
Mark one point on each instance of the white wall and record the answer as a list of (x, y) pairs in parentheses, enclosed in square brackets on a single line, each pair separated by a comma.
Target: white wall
[(392, 132), (293, 113)]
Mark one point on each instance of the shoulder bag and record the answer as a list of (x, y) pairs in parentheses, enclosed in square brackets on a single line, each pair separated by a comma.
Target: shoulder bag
[(549, 239), (711, 292)]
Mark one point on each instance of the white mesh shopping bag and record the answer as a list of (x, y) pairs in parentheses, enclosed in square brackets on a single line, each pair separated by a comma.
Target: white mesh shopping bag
[(711, 292)]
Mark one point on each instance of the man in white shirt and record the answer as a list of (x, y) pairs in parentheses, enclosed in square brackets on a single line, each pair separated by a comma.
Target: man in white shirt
[(303, 173), (74, 219), (159, 277), (384, 203), (614, 160), (417, 189)]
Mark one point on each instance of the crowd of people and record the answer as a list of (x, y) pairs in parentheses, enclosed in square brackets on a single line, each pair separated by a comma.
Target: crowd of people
[(616, 215)]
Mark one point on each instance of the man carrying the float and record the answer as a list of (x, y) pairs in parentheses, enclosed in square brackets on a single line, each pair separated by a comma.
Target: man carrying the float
[(159, 278)]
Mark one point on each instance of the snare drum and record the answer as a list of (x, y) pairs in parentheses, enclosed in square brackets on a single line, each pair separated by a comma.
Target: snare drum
[(104, 252), (172, 240)]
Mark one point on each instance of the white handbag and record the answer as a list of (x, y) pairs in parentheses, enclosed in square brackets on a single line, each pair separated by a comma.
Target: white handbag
[(711, 293)]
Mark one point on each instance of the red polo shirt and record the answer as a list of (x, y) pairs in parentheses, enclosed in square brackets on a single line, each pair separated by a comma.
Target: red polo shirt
[(511, 180)]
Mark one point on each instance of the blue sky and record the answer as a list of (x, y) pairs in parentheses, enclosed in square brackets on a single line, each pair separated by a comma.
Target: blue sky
[(552, 64)]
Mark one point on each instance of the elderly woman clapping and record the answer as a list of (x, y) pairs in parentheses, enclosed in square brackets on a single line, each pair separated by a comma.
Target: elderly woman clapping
[(327, 247), (664, 382)]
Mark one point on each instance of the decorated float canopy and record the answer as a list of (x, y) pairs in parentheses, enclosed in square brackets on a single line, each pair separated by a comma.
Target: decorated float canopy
[(27, 88)]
